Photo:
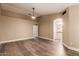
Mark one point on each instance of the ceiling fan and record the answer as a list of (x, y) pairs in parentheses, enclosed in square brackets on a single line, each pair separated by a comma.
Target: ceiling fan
[(33, 14)]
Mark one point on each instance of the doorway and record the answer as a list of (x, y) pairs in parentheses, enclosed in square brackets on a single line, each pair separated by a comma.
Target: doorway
[(58, 29), (35, 30)]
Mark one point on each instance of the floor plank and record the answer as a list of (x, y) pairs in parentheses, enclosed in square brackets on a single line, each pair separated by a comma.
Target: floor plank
[(36, 47)]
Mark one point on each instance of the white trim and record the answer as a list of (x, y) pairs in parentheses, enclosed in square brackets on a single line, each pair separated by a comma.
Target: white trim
[(45, 38), (71, 48), (2, 42)]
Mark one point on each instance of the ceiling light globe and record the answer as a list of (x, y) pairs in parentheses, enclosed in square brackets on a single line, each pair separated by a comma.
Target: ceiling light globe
[(33, 17)]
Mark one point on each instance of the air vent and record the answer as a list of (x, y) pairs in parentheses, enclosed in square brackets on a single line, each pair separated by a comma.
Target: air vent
[(64, 12)]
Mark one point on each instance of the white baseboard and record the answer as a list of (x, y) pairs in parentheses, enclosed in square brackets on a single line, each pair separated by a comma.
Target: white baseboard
[(2, 42), (45, 38), (71, 48)]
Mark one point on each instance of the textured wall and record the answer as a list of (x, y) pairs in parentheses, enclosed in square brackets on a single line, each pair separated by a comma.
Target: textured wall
[(14, 26)]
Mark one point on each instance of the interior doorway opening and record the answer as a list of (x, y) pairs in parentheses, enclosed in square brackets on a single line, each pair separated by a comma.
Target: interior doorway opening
[(58, 29), (35, 30)]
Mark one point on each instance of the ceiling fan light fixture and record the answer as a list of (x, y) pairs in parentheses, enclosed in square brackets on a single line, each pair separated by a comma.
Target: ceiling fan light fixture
[(33, 17)]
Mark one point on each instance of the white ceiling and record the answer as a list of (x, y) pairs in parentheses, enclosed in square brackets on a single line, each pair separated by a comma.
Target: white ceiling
[(40, 8)]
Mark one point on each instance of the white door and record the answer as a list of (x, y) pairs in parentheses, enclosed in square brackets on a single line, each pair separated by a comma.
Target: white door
[(35, 30)]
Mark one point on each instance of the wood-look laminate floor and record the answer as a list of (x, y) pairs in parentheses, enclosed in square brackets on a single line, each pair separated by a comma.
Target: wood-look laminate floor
[(35, 47)]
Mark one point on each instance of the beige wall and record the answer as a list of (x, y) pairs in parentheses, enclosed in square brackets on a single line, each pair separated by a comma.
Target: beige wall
[(13, 28), (46, 25), (73, 26), (71, 29), (66, 27), (0, 10)]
